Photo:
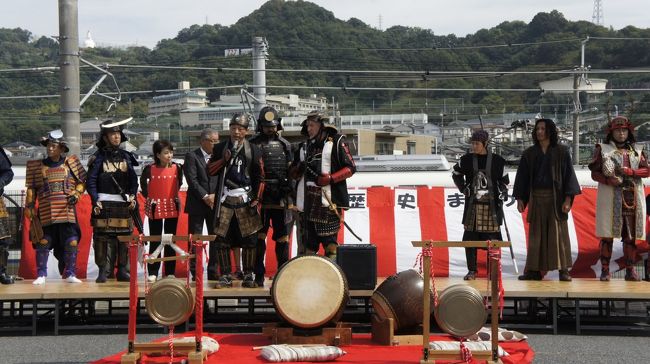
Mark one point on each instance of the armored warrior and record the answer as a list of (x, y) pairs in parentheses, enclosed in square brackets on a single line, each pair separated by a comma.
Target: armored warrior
[(322, 165), (160, 183), (57, 183), (6, 175), (618, 165), (240, 169), (481, 177), (112, 186), (276, 154)]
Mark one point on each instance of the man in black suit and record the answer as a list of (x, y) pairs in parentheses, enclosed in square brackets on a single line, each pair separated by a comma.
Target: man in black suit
[(200, 196)]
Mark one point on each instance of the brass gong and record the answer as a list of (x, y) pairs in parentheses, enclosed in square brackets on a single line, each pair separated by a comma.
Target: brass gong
[(170, 302), (460, 310)]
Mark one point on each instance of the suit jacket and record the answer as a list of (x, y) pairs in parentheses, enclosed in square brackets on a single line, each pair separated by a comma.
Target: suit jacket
[(198, 183)]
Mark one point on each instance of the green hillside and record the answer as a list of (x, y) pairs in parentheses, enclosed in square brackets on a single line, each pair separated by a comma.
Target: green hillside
[(304, 36)]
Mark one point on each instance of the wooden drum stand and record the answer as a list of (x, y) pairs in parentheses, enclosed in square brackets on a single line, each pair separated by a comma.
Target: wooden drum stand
[(194, 351), (430, 356)]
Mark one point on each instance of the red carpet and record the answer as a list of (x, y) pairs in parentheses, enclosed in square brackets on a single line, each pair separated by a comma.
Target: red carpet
[(237, 348)]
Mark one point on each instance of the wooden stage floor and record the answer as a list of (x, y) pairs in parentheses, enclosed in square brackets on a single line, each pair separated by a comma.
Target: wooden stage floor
[(578, 292), (578, 288)]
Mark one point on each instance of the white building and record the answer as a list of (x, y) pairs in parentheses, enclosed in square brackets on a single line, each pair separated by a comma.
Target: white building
[(183, 99), (214, 114), (294, 105)]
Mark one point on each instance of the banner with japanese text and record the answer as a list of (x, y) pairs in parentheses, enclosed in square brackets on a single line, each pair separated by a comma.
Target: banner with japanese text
[(391, 218)]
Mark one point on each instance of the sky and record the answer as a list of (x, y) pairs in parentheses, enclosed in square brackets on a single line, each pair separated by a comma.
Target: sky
[(145, 22)]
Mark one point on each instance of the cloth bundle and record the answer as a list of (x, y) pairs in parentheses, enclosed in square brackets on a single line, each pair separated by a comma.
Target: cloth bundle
[(288, 353), (471, 345), (208, 344)]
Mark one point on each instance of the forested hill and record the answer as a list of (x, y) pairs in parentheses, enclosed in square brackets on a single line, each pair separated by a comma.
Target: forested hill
[(302, 35)]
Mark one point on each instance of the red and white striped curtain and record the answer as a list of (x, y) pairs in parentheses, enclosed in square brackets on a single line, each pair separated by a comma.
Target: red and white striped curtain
[(391, 218)]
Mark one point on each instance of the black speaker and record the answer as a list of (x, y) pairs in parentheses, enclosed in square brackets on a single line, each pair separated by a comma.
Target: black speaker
[(359, 263)]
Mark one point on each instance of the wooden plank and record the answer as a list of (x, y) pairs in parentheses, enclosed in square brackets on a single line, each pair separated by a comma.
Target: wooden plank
[(579, 288), (163, 347), (614, 289)]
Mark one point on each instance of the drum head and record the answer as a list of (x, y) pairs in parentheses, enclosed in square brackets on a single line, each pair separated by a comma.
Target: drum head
[(460, 311), (170, 302), (309, 291)]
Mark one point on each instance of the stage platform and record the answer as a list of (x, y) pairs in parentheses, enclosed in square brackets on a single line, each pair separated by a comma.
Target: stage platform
[(536, 304)]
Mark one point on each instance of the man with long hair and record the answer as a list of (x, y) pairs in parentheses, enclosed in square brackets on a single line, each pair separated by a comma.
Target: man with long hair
[(618, 165), (546, 184)]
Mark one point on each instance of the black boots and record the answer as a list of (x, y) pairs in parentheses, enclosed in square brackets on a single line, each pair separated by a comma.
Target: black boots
[(564, 275), (605, 257), (531, 275), (629, 253), (4, 259), (248, 264), (470, 276)]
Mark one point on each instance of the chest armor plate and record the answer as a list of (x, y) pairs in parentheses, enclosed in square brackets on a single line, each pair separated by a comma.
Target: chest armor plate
[(275, 160), (163, 190), (116, 168)]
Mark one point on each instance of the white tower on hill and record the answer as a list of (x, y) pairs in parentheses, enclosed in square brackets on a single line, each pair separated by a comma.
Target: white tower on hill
[(89, 42)]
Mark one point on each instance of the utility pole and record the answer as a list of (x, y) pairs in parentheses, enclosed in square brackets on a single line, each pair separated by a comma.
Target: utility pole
[(576, 119), (260, 52), (577, 107), (69, 73)]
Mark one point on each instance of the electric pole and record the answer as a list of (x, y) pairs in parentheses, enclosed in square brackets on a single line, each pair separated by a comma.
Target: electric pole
[(69, 73), (577, 77), (260, 52)]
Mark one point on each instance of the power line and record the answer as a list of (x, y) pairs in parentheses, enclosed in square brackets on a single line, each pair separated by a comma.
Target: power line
[(425, 72), (341, 88)]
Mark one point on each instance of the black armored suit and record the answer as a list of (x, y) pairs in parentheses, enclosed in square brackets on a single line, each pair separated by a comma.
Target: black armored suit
[(239, 167), (112, 186), (277, 200)]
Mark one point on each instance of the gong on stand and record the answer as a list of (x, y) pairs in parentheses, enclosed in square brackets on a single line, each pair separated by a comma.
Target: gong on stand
[(169, 301), (459, 295)]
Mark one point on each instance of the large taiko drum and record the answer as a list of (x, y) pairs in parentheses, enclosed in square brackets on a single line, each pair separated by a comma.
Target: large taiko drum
[(170, 301), (310, 291), (400, 297), (460, 311)]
